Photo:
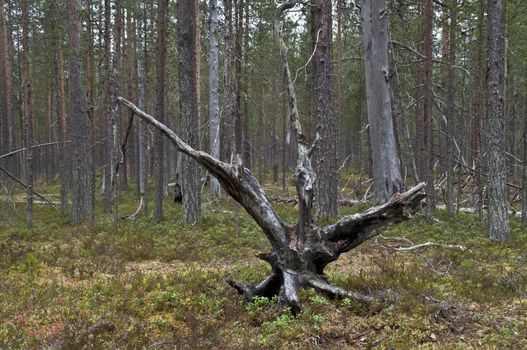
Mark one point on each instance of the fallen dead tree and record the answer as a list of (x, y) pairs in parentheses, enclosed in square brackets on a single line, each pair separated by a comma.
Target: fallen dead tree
[(300, 252), (341, 202)]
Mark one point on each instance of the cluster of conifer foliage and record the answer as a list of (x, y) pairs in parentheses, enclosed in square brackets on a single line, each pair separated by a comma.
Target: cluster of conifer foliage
[(399, 91)]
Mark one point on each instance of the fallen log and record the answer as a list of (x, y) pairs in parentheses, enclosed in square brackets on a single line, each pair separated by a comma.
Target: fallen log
[(21, 183), (349, 202)]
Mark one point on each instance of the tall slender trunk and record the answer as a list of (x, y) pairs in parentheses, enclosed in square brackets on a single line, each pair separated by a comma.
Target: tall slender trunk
[(496, 52), (214, 128), (91, 114), (479, 107), (238, 57), (27, 119), (108, 166), (387, 178), (8, 122), (115, 115), (141, 103), (327, 181), (159, 147), (260, 137), (79, 126), (428, 131), (189, 50), (227, 130), (58, 69), (247, 154), (450, 110)]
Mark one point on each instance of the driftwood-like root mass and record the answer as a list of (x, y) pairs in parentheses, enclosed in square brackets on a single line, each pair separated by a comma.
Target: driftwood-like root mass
[(300, 252)]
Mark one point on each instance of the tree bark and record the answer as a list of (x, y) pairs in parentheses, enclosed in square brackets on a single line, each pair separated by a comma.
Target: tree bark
[(58, 68), (214, 128), (8, 122), (188, 50), (387, 179), (479, 107), (27, 118), (109, 145), (79, 126), (327, 182), (90, 101), (159, 148), (497, 191), (428, 131), (141, 137), (117, 156), (450, 113), (227, 130)]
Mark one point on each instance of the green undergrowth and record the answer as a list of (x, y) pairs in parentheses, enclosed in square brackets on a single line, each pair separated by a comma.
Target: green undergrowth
[(139, 285)]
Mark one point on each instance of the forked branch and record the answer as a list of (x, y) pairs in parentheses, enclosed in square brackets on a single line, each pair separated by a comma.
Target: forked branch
[(238, 181)]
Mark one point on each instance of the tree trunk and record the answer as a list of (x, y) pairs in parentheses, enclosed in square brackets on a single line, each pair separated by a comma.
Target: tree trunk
[(450, 114), (141, 129), (327, 181), (214, 129), (188, 50), (479, 107), (237, 79), (117, 157), (27, 119), (227, 130), (79, 126), (91, 115), (387, 178), (159, 148), (428, 131), (61, 113), (108, 167), (8, 122), (300, 252), (497, 191)]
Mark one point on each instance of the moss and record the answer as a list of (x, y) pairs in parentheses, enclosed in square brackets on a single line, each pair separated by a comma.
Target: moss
[(165, 284)]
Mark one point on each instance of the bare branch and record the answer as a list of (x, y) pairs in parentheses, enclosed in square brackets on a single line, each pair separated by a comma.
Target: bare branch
[(430, 244), (21, 183), (352, 230), (237, 181)]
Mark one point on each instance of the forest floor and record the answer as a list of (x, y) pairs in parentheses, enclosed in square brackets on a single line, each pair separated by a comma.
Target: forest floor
[(138, 285)]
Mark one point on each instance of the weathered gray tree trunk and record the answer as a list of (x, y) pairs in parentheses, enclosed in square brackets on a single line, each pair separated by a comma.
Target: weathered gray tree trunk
[(159, 147), (497, 191), (141, 128), (387, 178), (300, 252), (188, 53), (214, 110), (327, 182)]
